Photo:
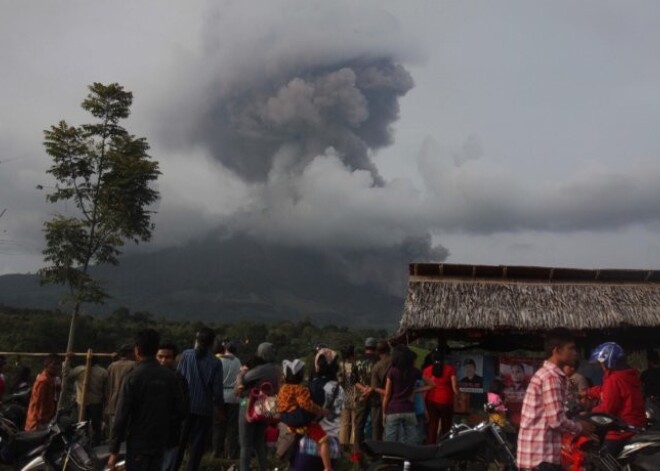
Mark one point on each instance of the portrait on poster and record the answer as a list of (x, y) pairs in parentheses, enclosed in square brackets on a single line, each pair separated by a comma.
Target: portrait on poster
[(516, 372), (470, 373)]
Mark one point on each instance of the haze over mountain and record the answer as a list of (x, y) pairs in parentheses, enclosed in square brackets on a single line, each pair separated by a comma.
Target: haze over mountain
[(229, 278), (355, 137)]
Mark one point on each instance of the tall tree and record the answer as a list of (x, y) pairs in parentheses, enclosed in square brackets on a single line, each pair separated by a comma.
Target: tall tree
[(107, 174)]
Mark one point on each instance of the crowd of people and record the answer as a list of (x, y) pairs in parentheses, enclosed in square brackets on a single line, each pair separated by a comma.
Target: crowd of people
[(167, 404)]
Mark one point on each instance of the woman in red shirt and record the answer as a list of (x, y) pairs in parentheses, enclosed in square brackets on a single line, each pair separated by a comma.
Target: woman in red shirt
[(440, 399)]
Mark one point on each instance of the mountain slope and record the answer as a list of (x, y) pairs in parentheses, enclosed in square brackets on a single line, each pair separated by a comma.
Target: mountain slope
[(226, 280)]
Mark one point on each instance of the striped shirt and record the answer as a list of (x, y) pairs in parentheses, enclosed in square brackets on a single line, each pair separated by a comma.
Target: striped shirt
[(204, 377), (543, 418)]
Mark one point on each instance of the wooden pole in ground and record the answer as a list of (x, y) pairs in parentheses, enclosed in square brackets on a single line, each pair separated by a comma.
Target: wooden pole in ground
[(83, 396)]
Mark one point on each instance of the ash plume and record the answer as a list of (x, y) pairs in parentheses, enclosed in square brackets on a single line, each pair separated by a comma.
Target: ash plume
[(299, 119), (348, 106)]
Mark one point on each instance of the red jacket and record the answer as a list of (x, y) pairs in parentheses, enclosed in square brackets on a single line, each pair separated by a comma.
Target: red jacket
[(621, 396)]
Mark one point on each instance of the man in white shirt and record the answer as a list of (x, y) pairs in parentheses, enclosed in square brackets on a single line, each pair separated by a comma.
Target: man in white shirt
[(225, 432)]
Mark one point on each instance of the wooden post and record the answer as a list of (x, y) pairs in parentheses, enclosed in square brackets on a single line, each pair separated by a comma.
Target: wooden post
[(83, 397)]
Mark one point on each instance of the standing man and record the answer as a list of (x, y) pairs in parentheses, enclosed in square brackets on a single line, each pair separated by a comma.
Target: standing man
[(166, 355), (543, 418), (117, 371), (203, 372), (364, 364), (378, 379), (94, 396), (149, 400), (227, 429), (43, 399)]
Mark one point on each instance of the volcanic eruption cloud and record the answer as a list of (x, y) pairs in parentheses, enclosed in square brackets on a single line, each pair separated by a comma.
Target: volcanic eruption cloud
[(297, 111)]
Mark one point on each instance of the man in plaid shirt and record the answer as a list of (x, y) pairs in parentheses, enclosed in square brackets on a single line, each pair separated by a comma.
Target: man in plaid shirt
[(543, 417)]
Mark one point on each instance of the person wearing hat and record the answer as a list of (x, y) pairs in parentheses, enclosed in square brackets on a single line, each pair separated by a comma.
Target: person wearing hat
[(117, 371), (620, 395), (327, 392), (378, 380), (363, 366), (299, 412), (256, 372)]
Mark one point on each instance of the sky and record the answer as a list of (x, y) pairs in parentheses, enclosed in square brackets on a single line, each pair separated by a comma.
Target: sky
[(511, 132)]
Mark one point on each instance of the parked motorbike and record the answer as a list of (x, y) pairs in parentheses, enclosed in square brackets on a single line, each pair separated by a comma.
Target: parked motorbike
[(653, 413), (14, 406), (641, 452), (465, 448), (59, 447)]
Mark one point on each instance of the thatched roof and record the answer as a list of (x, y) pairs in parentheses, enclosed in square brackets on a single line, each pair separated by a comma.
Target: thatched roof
[(448, 297)]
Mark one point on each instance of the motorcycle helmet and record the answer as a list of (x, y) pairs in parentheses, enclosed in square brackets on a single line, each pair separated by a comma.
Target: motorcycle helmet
[(609, 354)]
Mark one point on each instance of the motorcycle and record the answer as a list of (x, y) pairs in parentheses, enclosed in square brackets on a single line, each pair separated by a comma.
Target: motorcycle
[(14, 406), (464, 448), (641, 452), (61, 446)]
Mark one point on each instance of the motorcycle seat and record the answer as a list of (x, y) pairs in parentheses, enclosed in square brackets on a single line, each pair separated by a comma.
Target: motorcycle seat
[(26, 441), (434, 465), (467, 442), (102, 452), (647, 436), (408, 452)]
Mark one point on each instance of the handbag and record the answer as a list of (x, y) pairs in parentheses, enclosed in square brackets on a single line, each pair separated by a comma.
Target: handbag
[(262, 405)]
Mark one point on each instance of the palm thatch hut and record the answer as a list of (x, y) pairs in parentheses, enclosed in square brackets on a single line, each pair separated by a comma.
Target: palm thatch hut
[(510, 307)]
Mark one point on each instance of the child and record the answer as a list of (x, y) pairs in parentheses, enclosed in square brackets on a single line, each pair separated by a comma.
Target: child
[(299, 412), (420, 411), (495, 404)]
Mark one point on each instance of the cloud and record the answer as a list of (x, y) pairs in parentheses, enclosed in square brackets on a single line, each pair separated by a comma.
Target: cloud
[(480, 197), (278, 128), (329, 205)]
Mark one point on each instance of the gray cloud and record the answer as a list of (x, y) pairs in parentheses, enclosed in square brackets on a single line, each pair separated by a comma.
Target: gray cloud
[(480, 198), (349, 106), (281, 129)]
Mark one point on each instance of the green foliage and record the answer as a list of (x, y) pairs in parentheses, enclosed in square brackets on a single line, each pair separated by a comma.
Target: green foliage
[(106, 173), (29, 330)]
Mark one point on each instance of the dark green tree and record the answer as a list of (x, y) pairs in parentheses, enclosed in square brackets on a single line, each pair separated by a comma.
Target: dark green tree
[(104, 175)]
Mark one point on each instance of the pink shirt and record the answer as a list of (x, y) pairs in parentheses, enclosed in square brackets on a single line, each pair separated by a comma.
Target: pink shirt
[(543, 418), (496, 401)]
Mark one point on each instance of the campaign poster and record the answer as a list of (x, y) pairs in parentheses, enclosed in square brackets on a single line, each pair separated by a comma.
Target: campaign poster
[(470, 373), (516, 373)]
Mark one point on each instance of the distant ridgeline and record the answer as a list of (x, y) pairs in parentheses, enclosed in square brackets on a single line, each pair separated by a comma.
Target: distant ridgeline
[(223, 281)]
